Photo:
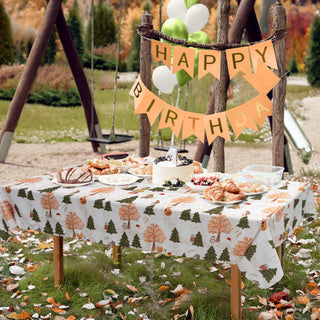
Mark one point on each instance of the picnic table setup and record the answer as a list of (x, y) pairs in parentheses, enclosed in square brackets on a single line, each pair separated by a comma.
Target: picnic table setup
[(126, 209)]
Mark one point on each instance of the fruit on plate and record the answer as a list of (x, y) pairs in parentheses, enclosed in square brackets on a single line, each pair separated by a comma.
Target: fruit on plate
[(205, 180)]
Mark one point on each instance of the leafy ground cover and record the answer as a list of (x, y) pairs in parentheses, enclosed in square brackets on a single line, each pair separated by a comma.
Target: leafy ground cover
[(150, 286)]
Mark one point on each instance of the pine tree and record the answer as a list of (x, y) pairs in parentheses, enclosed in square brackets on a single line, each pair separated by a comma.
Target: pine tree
[(98, 204), (22, 193), (243, 223), (30, 195), (111, 227), (58, 229), (51, 51), (211, 255), (313, 53), (75, 27), (124, 241), (90, 223), (128, 200), (198, 240), (136, 241), (67, 199), (196, 217), (6, 41), (107, 206), (185, 215), (149, 210), (48, 228), (225, 255), (175, 235), (134, 57), (35, 216), (217, 210), (293, 66)]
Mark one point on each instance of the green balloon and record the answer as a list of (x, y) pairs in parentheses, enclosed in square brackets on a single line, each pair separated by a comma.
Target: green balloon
[(174, 27), (197, 37), (190, 3)]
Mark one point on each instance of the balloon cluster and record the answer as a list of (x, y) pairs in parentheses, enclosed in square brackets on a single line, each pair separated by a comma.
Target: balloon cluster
[(185, 20)]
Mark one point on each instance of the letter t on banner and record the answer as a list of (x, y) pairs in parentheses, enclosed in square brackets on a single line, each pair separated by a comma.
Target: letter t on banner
[(161, 52)]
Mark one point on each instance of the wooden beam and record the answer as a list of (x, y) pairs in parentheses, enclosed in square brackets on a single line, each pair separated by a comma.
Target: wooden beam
[(28, 76), (279, 91), (145, 74), (81, 81), (235, 292), (58, 260)]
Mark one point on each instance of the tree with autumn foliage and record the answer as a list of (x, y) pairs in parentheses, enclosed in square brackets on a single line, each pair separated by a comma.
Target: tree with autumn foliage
[(6, 40), (49, 202), (7, 210), (128, 212), (313, 55), (219, 224), (73, 222), (154, 234)]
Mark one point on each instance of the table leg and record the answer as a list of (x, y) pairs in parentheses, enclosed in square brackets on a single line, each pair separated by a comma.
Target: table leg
[(58, 260), (117, 254), (235, 292)]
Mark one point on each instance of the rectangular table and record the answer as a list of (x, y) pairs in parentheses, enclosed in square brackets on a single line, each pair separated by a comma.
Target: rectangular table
[(172, 221)]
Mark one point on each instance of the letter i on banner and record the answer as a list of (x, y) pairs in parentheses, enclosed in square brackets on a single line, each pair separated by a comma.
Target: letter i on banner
[(161, 51), (216, 125)]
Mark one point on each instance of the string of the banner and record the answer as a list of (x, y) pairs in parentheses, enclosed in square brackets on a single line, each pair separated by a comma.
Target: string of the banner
[(147, 32)]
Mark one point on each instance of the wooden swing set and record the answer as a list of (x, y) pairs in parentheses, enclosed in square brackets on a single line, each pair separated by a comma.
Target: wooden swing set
[(244, 20)]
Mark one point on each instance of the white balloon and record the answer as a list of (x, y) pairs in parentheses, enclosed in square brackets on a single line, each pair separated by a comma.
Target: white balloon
[(196, 17), (163, 79), (176, 9)]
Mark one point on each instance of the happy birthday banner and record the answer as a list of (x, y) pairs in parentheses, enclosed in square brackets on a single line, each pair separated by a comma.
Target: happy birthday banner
[(251, 114)]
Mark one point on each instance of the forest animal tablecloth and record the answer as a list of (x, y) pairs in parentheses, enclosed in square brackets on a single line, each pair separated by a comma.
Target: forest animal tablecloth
[(176, 221)]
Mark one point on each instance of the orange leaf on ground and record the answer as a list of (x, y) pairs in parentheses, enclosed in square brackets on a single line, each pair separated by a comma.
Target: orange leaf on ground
[(67, 296), (163, 288), (58, 310), (301, 300), (51, 300), (132, 288), (32, 268), (71, 318)]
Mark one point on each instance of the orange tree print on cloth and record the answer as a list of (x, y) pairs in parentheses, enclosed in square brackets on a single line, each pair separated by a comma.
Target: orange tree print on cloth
[(7, 210), (30, 180), (218, 224), (154, 234), (73, 222), (278, 211), (279, 196), (102, 190), (242, 246), (49, 202), (128, 212)]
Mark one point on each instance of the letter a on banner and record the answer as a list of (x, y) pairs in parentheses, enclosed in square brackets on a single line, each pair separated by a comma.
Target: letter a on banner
[(263, 51), (209, 62), (216, 125), (161, 52), (183, 58), (238, 60)]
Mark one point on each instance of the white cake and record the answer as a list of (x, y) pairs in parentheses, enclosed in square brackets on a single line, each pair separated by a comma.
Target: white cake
[(166, 170)]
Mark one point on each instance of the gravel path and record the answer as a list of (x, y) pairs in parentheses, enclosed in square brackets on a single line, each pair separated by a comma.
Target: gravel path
[(26, 160)]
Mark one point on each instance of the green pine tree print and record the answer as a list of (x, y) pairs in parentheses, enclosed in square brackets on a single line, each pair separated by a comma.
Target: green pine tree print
[(22, 193), (185, 215), (149, 210), (124, 241), (136, 241), (59, 229), (98, 204), (90, 223), (225, 255), (196, 218), (107, 206), (243, 223), (198, 240), (48, 228), (30, 195), (250, 252), (111, 227), (35, 216), (268, 274), (17, 210), (174, 235), (128, 200), (217, 210), (67, 199), (211, 255)]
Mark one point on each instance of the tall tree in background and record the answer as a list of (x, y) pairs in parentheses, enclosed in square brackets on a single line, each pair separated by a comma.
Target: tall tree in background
[(51, 51), (6, 42), (75, 27), (313, 55), (104, 28), (264, 16), (134, 57)]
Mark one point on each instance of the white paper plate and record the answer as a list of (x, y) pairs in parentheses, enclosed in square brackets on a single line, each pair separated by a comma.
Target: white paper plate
[(70, 185), (140, 175), (121, 179), (196, 187), (265, 189)]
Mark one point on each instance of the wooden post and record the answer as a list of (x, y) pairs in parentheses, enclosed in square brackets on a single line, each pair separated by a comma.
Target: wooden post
[(245, 18), (279, 91), (81, 81), (145, 74), (235, 292), (58, 260), (28, 76), (222, 84)]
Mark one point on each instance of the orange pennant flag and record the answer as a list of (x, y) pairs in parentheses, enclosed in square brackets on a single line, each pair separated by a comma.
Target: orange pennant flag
[(172, 118), (183, 59), (216, 125), (264, 79), (193, 124), (151, 105), (137, 91), (241, 117), (263, 51), (262, 108), (161, 51), (238, 59), (209, 62)]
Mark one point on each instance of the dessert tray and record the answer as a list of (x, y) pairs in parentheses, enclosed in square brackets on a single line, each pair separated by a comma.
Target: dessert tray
[(70, 185), (118, 179)]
